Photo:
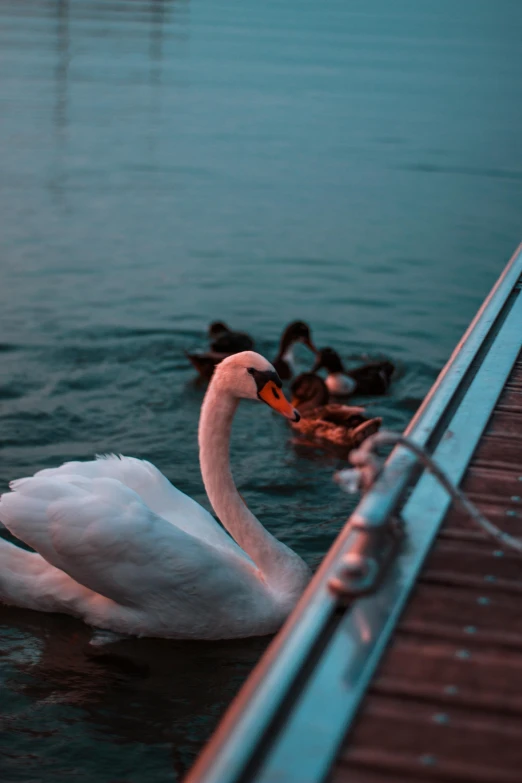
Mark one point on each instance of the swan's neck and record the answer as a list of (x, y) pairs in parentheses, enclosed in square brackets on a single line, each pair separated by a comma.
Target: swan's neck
[(271, 556)]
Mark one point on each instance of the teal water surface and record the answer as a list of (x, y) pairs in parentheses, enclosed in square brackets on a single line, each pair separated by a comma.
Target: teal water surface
[(353, 163)]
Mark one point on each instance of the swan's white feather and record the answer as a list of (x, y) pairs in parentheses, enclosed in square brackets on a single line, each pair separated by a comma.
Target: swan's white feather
[(155, 490), (29, 581), (102, 535)]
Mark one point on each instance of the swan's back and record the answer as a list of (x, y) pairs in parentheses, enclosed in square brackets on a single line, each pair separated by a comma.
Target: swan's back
[(156, 492), (102, 554)]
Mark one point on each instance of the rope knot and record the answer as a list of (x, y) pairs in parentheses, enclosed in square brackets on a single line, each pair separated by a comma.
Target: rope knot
[(368, 466)]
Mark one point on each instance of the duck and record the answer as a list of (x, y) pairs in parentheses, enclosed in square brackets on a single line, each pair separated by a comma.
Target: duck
[(342, 426), (223, 342), (295, 332), (372, 378), (117, 545)]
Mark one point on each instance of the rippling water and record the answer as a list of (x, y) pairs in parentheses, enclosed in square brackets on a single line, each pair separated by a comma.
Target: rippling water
[(355, 164)]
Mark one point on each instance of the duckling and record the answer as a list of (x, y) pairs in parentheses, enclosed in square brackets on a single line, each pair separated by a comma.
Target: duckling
[(295, 332), (223, 342), (371, 378), (330, 424)]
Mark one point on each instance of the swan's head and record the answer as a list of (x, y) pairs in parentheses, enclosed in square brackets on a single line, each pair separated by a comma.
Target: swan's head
[(248, 375)]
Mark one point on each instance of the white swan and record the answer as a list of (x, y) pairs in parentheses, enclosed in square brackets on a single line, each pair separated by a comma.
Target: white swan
[(119, 546)]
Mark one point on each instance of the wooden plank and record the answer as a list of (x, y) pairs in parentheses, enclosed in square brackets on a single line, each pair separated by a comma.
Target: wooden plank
[(408, 767), (454, 579), (507, 515), (472, 745), (498, 452), (477, 616), (505, 423), (454, 672), (489, 565), (512, 395), (446, 704), (495, 483), (344, 774), (442, 695)]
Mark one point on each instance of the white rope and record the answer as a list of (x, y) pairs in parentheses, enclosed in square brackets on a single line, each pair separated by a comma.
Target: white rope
[(368, 466)]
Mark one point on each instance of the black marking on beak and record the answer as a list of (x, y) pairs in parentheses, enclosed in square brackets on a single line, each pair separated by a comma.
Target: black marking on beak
[(262, 377)]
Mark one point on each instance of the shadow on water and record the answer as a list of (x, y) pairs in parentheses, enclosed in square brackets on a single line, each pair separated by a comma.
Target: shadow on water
[(144, 692)]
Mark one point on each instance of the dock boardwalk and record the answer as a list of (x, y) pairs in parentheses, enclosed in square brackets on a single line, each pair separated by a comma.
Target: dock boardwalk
[(420, 678), (446, 701)]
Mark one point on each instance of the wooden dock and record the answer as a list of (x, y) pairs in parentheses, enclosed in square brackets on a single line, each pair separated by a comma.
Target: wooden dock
[(418, 677), (446, 701)]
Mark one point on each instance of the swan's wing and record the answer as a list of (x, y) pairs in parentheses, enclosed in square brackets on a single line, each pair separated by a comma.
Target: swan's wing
[(101, 533), (156, 492)]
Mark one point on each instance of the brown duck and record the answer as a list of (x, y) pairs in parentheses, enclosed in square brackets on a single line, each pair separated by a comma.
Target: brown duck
[(326, 423), (295, 332)]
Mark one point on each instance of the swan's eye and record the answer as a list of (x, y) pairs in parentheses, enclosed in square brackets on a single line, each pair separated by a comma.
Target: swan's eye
[(262, 377)]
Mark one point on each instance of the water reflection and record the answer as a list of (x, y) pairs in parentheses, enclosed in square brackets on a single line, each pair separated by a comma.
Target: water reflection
[(62, 67), (163, 20), (144, 692), (157, 23)]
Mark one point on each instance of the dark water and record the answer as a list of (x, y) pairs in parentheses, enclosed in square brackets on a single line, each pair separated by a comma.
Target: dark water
[(355, 164)]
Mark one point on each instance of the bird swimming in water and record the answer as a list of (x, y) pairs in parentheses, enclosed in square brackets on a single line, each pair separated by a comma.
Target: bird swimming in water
[(372, 378), (117, 545), (223, 342), (295, 332), (326, 423)]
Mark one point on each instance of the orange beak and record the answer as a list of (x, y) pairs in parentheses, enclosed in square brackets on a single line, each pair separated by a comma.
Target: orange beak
[(277, 400)]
